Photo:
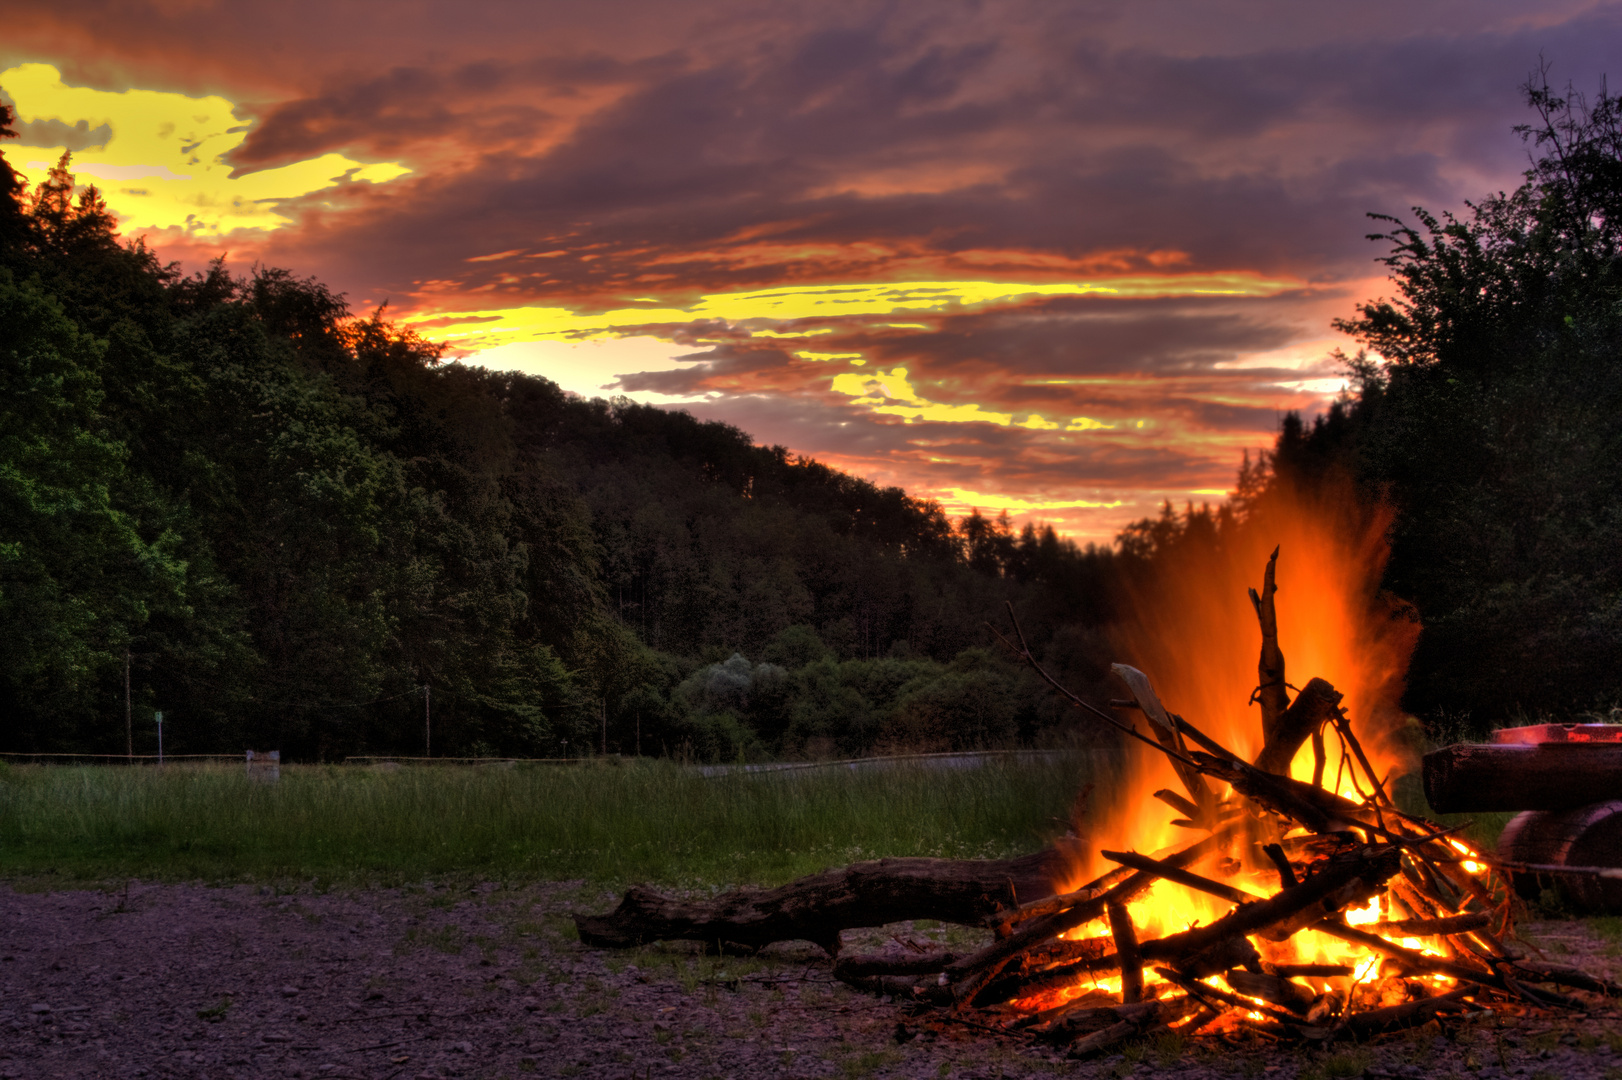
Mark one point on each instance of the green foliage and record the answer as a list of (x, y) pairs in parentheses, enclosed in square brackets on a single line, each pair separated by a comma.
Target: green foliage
[(1498, 424), (283, 522), (77, 578)]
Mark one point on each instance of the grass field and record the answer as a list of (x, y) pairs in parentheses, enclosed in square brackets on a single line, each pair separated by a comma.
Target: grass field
[(615, 824)]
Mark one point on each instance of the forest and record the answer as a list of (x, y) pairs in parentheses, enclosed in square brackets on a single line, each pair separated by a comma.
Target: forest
[(290, 526)]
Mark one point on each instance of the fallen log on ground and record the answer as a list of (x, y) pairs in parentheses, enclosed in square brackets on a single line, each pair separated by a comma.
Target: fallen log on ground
[(817, 908)]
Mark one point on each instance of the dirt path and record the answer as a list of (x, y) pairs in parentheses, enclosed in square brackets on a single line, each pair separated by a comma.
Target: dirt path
[(194, 981)]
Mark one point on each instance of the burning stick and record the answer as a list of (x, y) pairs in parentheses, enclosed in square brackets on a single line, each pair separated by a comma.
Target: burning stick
[(1086, 911), (1143, 694), (1211, 993), (1455, 924), (1002, 924), (1126, 953), (1270, 693), (1276, 989)]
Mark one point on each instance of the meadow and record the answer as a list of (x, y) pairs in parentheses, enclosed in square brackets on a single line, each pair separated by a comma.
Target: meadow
[(608, 821)]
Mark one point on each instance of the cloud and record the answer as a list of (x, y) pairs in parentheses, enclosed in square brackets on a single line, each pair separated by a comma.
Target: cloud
[(688, 180), (53, 132), (178, 140)]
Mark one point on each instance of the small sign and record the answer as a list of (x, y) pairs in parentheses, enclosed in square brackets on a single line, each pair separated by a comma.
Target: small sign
[(265, 766)]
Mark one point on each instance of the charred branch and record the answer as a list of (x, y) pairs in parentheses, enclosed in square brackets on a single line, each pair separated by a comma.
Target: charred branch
[(1126, 953), (1270, 691)]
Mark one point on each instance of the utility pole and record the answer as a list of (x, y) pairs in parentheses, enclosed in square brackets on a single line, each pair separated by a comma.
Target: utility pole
[(427, 721), (158, 716), (129, 726), (603, 711)]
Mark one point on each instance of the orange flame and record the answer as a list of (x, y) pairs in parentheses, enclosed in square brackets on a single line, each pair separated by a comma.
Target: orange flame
[(1194, 632)]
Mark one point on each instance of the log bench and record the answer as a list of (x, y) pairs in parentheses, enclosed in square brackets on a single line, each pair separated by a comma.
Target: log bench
[(1566, 781)]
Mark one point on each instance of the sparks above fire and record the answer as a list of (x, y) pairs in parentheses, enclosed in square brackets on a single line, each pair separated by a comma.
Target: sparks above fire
[(1295, 899)]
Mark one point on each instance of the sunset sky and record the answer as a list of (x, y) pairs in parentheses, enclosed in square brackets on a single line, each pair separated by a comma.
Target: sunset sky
[(1067, 259)]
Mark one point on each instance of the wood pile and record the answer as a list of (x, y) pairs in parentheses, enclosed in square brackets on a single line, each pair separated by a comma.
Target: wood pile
[(1285, 857)]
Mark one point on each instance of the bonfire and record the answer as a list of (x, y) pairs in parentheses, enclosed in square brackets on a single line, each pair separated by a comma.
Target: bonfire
[(1285, 894)]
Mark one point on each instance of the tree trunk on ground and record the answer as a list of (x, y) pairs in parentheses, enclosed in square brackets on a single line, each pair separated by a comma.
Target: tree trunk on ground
[(1475, 778), (817, 908)]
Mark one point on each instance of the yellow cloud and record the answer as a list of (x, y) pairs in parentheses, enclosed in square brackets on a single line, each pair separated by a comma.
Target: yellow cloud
[(162, 165), (503, 325), (963, 499), (892, 395), (805, 355)]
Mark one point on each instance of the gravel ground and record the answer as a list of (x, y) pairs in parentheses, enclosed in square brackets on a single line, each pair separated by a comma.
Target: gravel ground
[(197, 981)]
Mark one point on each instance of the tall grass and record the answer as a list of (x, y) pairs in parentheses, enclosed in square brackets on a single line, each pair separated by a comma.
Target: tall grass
[(642, 821)]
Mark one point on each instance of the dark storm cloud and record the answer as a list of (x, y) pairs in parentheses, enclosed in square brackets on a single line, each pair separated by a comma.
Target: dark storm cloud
[(76, 136)]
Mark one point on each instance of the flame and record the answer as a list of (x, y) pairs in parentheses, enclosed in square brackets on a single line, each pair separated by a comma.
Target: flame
[(1195, 633), (1469, 865)]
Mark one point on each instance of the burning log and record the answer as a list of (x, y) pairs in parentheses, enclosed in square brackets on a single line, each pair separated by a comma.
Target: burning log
[(1209, 993), (1165, 729), (1033, 980), (1279, 916), (1277, 989), (1126, 953), (1083, 911), (1454, 924), (1313, 707), (1411, 959), (1002, 924), (1309, 971), (817, 908), (1224, 956)]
